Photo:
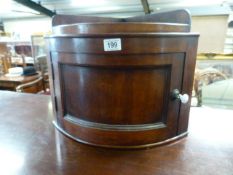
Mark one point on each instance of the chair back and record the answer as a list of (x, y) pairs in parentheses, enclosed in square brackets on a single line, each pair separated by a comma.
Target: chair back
[(42, 63), (5, 61), (35, 86), (42, 66)]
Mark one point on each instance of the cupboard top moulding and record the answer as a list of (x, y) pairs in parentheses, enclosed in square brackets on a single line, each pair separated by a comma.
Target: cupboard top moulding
[(122, 83)]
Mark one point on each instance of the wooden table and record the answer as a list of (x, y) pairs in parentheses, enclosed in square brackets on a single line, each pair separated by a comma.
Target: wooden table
[(10, 83), (30, 145)]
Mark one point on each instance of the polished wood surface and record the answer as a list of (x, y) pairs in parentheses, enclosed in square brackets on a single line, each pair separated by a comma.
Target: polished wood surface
[(10, 83), (122, 98), (71, 19), (119, 27), (30, 144)]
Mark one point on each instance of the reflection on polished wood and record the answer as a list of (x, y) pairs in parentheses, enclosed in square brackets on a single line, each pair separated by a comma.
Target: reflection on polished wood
[(29, 144)]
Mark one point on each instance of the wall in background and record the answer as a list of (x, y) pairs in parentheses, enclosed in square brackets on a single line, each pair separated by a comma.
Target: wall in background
[(23, 29), (213, 30)]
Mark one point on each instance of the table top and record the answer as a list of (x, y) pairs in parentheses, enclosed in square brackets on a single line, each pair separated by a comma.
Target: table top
[(30, 145), (19, 79)]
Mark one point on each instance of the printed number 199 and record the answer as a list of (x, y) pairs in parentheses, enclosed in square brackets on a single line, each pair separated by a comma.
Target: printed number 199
[(112, 44)]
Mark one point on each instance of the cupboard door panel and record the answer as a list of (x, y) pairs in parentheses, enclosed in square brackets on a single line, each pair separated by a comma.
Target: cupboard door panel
[(133, 96)]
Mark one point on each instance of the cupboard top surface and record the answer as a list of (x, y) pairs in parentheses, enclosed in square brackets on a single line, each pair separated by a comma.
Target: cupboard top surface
[(119, 27)]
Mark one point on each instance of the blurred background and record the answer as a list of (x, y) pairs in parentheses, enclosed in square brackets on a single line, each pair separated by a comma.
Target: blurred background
[(23, 24)]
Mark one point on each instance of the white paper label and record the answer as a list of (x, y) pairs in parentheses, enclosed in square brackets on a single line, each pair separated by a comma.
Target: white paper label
[(112, 44)]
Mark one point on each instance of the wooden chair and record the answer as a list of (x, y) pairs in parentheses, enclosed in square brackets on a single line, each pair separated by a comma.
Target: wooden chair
[(23, 51), (3, 48), (42, 66), (5, 58), (35, 86), (6, 63), (205, 77)]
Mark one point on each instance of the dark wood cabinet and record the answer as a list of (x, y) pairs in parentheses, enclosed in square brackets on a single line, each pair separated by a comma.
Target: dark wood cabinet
[(116, 83)]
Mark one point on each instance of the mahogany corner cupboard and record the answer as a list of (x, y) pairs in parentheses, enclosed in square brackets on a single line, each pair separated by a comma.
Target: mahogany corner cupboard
[(122, 83)]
